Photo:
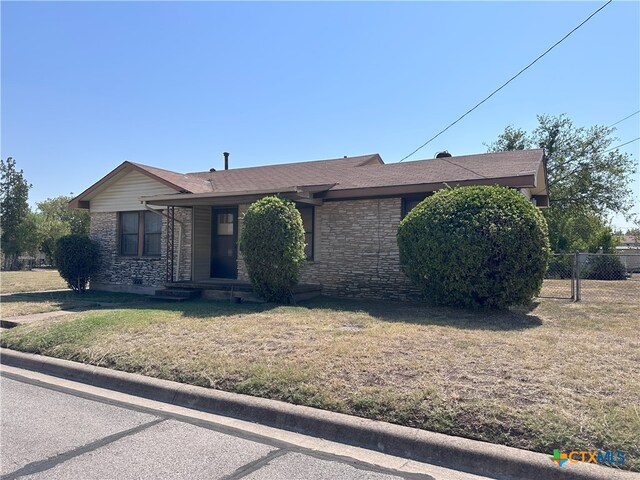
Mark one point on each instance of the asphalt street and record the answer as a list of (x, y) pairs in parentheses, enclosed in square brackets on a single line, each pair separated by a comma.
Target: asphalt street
[(56, 434)]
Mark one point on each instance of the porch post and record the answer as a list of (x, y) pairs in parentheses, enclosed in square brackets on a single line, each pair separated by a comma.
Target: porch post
[(170, 240)]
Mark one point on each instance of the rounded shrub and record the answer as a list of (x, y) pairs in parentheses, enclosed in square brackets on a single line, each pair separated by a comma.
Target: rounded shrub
[(272, 245), (604, 267), (483, 246), (78, 260)]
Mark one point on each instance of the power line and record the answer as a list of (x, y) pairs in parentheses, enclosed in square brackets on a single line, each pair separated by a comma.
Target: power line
[(506, 83), (620, 121), (622, 145)]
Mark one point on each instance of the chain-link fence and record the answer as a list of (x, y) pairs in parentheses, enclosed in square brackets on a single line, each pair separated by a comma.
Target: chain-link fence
[(593, 276)]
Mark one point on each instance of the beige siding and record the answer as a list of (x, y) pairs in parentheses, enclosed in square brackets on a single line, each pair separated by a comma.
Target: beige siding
[(124, 194), (526, 193), (201, 242)]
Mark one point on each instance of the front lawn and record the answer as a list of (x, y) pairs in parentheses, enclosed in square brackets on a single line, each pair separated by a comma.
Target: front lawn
[(31, 281), (562, 375)]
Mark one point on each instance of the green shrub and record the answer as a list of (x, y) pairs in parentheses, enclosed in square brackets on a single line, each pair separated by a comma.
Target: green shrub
[(604, 267), (272, 245), (78, 260), (484, 246)]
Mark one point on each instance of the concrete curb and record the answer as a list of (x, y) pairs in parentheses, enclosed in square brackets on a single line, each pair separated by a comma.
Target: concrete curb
[(457, 453)]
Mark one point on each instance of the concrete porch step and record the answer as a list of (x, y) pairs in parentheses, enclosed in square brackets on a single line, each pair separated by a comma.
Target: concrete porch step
[(238, 291), (176, 294)]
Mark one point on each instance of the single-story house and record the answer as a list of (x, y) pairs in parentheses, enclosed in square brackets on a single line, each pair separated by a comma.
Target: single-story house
[(629, 250), (158, 227)]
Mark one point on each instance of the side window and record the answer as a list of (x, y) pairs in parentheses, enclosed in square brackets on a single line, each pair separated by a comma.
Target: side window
[(307, 213), (140, 233), (152, 233), (129, 233)]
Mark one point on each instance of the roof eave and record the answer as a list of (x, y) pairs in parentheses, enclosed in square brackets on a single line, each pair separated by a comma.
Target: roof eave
[(522, 181)]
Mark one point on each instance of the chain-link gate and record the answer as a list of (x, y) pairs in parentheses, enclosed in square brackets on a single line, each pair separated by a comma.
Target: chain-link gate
[(592, 276), (559, 281)]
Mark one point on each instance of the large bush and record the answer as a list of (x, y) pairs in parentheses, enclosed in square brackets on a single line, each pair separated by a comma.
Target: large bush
[(272, 245), (604, 267), (484, 246), (77, 257)]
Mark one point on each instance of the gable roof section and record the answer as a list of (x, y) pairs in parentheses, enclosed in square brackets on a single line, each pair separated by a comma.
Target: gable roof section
[(347, 177), (166, 177)]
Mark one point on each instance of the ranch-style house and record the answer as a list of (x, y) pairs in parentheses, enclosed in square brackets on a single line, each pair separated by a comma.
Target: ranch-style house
[(159, 228)]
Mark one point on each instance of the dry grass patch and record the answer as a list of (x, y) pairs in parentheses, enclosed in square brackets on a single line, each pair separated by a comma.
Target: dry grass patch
[(31, 281), (561, 375), (26, 303)]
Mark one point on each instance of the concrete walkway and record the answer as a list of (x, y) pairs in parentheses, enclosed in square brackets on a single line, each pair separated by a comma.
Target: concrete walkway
[(2, 295)]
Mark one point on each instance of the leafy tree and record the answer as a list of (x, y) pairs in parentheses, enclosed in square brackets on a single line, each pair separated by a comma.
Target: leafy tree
[(583, 175), (570, 231), (56, 219), (14, 193), (27, 234), (587, 180)]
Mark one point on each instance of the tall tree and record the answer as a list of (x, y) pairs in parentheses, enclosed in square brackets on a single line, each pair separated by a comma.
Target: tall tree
[(56, 219), (588, 180), (585, 175), (14, 194)]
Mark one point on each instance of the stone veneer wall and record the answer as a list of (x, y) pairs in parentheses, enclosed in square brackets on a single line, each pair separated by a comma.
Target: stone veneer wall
[(118, 272), (356, 251)]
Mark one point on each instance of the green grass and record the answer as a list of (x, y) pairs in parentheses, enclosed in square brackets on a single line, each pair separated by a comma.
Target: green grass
[(31, 281), (558, 375)]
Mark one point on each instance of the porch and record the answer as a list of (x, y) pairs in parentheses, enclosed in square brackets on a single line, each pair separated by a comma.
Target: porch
[(234, 290)]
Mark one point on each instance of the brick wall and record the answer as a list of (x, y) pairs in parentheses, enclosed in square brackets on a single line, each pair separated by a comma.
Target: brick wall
[(119, 272), (356, 253)]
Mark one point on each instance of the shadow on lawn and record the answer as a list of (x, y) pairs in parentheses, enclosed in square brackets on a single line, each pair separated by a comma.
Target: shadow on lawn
[(424, 314), (415, 313)]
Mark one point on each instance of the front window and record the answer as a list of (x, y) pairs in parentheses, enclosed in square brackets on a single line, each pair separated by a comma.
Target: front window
[(307, 213), (140, 233), (152, 233), (129, 233), (409, 203)]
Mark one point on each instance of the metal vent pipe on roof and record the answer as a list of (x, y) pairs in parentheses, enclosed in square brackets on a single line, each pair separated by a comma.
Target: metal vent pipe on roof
[(226, 160), (443, 154)]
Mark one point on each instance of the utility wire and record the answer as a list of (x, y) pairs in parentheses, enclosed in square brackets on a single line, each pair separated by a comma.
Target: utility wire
[(622, 145), (620, 121), (506, 83)]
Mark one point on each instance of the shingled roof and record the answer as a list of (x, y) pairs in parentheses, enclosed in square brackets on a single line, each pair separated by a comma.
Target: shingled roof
[(354, 176)]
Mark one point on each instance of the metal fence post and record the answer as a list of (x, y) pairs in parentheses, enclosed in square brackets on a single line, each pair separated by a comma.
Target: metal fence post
[(573, 277), (577, 274)]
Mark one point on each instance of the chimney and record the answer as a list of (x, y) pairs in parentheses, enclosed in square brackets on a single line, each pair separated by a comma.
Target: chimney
[(226, 160), (443, 154)]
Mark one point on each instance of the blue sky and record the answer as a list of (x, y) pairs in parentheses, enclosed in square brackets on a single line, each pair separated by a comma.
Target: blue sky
[(87, 85)]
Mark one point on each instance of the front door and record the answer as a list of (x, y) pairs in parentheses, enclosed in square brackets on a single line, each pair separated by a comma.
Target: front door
[(224, 243)]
